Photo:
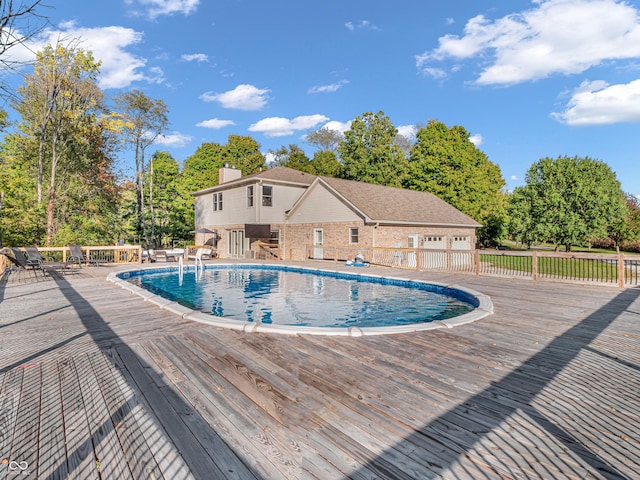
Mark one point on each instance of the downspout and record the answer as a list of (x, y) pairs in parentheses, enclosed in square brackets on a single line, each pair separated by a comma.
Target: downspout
[(284, 237), (259, 203), (373, 237)]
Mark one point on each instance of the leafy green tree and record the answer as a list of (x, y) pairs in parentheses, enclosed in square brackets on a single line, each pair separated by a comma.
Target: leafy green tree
[(21, 217), (126, 213), (325, 162), (167, 223), (244, 153), (627, 229), (292, 157), (567, 201), (200, 170), (369, 152), (446, 163)]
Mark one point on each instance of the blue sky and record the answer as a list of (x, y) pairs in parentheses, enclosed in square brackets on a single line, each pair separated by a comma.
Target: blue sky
[(527, 79)]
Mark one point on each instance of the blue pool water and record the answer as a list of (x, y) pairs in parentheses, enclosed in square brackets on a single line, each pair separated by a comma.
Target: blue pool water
[(303, 297)]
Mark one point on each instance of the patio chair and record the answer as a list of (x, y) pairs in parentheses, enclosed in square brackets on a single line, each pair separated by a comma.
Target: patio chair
[(19, 261), (77, 257), (15, 264), (34, 255)]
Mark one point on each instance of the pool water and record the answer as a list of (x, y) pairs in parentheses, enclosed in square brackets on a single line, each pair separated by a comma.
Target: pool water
[(291, 296)]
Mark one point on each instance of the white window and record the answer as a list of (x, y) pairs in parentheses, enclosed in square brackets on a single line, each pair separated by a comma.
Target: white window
[(217, 202), (267, 196), (412, 241), (274, 236), (250, 196), (353, 235)]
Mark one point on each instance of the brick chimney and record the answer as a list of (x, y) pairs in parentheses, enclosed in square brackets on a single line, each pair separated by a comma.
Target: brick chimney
[(227, 174)]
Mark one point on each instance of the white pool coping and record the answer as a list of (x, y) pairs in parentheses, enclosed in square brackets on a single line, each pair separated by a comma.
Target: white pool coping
[(484, 308)]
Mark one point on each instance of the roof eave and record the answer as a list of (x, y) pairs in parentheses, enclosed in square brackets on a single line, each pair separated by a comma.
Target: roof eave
[(424, 224)]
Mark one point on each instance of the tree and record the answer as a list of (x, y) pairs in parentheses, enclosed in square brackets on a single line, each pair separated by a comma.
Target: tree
[(199, 171), (62, 107), (166, 223), (325, 162), (145, 119), (21, 218), (325, 138), (369, 152), (293, 157), (446, 163), (567, 201), (244, 153), (628, 229)]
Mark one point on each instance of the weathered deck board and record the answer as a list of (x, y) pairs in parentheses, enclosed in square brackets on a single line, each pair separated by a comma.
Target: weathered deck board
[(548, 387), (52, 460)]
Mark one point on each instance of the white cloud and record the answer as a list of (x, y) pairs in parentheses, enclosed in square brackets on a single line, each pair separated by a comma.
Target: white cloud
[(328, 88), (361, 25), (598, 103), (338, 126), (556, 36), (109, 45), (175, 139), (281, 127), (243, 97), (215, 123), (156, 8), (408, 131), (476, 139), (198, 57), (514, 178)]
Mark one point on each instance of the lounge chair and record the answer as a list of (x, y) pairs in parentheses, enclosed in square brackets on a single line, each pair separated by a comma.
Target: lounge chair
[(20, 262), (15, 264), (77, 257), (201, 254), (34, 256)]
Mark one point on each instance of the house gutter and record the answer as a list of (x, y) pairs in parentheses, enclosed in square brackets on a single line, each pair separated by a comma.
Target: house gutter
[(424, 224)]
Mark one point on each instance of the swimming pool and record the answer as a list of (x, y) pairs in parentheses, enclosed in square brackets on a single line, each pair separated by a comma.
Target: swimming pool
[(287, 299)]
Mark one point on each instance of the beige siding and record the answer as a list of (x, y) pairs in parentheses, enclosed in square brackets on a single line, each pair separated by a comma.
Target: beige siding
[(321, 206), (235, 210), (283, 199)]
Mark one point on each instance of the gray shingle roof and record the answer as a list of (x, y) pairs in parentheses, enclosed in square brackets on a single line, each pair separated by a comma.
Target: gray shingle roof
[(388, 204), (377, 202)]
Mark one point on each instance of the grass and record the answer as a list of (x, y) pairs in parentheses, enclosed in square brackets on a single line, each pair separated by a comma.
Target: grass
[(556, 267)]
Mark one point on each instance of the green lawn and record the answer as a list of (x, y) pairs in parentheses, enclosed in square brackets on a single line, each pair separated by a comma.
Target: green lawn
[(579, 268)]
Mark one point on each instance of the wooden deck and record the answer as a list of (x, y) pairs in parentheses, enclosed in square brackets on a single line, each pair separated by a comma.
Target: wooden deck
[(97, 383)]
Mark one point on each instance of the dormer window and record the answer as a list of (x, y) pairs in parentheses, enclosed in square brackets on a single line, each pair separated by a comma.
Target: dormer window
[(267, 196)]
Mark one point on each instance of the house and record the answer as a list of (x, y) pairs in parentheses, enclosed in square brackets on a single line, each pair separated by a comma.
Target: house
[(302, 216)]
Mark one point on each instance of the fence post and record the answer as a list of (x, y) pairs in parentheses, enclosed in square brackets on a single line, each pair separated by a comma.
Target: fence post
[(477, 257), (620, 270), (534, 265)]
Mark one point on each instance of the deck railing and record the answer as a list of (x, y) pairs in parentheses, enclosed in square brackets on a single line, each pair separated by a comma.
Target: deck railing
[(610, 269), (102, 254)]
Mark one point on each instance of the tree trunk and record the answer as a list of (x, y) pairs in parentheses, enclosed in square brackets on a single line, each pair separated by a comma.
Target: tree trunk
[(143, 211), (151, 210), (51, 204), (40, 166)]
